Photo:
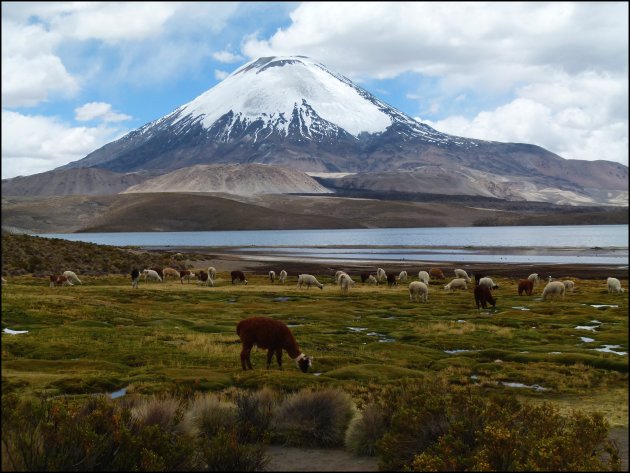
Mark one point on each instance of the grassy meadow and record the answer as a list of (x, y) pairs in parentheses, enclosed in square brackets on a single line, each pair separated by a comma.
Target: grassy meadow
[(103, 335)]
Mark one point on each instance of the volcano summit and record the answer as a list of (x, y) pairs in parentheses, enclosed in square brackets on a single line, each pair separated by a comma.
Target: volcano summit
[(294, 112)]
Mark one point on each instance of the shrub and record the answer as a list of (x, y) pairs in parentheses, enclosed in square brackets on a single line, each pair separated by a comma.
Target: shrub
[(365, 430), (314, 418), (162, 412), (254, 413), (437, 428), (99, 435), (207, 415), (224, 452)]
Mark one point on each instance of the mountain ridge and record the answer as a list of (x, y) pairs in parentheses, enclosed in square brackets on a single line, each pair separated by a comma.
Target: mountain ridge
[(293, 111)]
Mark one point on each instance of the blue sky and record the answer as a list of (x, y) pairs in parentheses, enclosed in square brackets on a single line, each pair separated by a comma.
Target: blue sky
[(76, 76)]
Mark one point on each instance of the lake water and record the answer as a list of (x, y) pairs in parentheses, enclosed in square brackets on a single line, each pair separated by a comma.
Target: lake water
[(587, 244)]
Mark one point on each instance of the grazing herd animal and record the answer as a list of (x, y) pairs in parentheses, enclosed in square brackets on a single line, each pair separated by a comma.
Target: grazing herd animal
[(212, 272), (402, 276), (380, 274), (272, 276), (309, 280), (59, 280), (460, 273), (436, 273), (151, 275), (283, 276), (135, 277), (525, 286), (345, 282), (483, 297), (417, 291), (170, 272), (614, 286), (205, 279), (72, 277), (271, 335), (238, 276), (553, 289), (391, 280), (424, 277), (186, 274), (486, 281), (457, 283)]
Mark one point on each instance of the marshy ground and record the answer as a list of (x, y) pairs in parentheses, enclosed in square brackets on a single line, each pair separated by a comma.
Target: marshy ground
[(103, 336)]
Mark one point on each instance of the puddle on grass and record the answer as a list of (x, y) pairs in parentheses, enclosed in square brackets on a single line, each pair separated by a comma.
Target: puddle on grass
[(602, 306), (317, 374), (382, 337), (555, 353), (452, 352), (586, 327), (281, 299), (535, 387), (356, 329), (587, 339), (14, 332), (609, 349), (520, 308), (294, 325), (117, 394)]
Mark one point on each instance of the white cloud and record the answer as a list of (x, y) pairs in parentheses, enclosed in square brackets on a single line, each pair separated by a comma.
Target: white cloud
[(562, 66), (32, 144), (582, 117), (227, 57), (30, 70), (98, 110), (220, 75)]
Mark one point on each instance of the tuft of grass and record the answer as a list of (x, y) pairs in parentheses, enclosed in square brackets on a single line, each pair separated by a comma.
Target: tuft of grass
[(314, 418)]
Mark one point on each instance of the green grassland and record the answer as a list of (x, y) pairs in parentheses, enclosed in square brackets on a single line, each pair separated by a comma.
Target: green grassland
[(104, 335)]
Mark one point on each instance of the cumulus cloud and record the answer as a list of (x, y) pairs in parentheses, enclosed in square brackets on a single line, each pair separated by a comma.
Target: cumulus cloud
[(33, 143), (581, 117), (30, 71), (99, 110), (220, 75), (560, 68), (226, 57)]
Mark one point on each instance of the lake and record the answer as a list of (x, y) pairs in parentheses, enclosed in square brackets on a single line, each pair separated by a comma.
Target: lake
[(574, 244)]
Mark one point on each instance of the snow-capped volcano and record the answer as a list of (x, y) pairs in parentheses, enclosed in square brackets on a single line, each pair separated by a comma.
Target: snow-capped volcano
[(293, 111), (293, 94)]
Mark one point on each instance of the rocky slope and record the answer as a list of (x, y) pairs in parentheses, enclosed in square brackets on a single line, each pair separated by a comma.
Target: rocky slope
[(240, 179)]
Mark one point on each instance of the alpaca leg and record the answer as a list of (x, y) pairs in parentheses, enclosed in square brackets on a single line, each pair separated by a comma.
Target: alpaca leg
[(269, 357), (245, 358), (279, 357)]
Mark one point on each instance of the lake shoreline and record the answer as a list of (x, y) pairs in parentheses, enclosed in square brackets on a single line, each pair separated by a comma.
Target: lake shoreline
[(260, 260)]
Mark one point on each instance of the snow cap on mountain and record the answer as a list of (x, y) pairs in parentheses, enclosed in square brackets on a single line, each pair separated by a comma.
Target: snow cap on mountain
[(270, 88)]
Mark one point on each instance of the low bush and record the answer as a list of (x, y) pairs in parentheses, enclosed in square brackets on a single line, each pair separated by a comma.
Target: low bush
[(254, 413), (314, 418), (458, 429)]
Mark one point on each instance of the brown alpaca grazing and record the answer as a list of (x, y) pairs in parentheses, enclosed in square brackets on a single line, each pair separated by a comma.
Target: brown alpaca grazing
[(436, 273), (483, 296), (525, 286), (273, 336)]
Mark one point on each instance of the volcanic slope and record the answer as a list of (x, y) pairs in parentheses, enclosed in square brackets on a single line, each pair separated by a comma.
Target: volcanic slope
[(293, 111)]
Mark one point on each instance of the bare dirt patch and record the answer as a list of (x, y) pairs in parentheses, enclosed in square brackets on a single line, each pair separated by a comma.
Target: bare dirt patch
[(316, 459)]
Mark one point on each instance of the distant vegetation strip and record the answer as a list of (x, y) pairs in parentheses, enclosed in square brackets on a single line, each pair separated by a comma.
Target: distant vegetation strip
[(25, 254)]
